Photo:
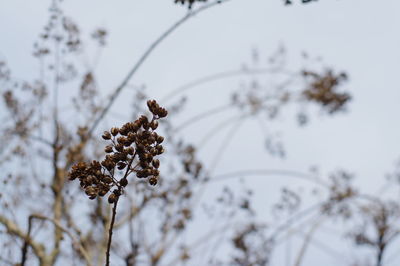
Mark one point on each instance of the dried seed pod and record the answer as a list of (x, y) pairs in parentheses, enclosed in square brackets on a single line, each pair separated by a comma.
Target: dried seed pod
[(153, 181), (130, 150), (95, 165), (114, 131), (121, 165), (107, 179), (123, 182), (106, 135), (143, 119), (124, 130), (108, 149), (143, 164), (121, 140), (154, 124), (102, 192), (161, 112), (131, 136), (119, 147), (153, 151), (140, 174), (155, 172), (117, 192), (112, 198), (160, 149), (156, 163), (160, 139)]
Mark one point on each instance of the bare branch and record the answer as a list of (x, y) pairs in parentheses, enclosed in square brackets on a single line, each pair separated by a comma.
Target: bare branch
[(13, 229), (76, 243)]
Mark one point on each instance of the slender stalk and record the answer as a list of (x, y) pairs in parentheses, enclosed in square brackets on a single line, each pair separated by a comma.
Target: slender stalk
[(110, 232)]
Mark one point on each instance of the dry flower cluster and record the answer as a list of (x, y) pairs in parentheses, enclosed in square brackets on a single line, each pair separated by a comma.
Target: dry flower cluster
[(134, 139)]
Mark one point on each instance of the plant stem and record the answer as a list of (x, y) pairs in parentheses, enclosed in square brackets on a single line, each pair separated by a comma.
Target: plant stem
[(110, 232)]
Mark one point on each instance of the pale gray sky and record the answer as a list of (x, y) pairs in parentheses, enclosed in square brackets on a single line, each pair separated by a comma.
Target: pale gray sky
[(358, 36)]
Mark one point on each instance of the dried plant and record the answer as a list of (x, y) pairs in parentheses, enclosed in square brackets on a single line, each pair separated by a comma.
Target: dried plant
[(133, 149), (54, 224)]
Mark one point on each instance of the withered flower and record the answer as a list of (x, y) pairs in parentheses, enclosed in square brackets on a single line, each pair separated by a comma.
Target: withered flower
[(132, 149)]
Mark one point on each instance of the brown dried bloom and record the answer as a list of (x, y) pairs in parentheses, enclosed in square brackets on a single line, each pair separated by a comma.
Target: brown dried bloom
[(323, 90), (132, 148)]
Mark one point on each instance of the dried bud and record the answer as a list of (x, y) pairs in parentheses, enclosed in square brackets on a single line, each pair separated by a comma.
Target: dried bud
[(130, 150), (153, 181), (123, 182), (160, 139), (106, 135), (112, 198), (131, 136), (154, 124), (119, 147), (156, 163), (121, 140), (102, 192), (107, 179), (108, 149), (114, 131), (121, 165), (160, 149), (162, 112), (155, 172)]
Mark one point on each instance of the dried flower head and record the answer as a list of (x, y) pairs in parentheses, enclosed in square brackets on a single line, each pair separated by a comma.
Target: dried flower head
[(132, 149), (323, 90)]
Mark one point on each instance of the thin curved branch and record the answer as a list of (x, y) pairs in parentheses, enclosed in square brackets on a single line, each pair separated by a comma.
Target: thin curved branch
[(143, 58), (213, 131), (215, 77), (201, 240), (307, 241), (201, 116), (294, 218), (267, 172)]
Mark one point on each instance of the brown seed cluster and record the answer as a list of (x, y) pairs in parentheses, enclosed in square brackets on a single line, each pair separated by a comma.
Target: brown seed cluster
[(132, 149), (323, 90), (92, 178)]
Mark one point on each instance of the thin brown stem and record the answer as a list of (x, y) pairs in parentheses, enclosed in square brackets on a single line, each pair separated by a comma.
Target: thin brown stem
[(110, 232)]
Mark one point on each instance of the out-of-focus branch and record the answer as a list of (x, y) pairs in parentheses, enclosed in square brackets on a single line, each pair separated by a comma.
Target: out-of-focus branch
[(57, 187), (219, 76), (143, 58), (75, 242), (306, 242), (13, 229), (268, 172)]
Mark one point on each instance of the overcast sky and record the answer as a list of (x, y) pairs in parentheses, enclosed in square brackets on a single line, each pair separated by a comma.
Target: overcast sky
[(360, 37)]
